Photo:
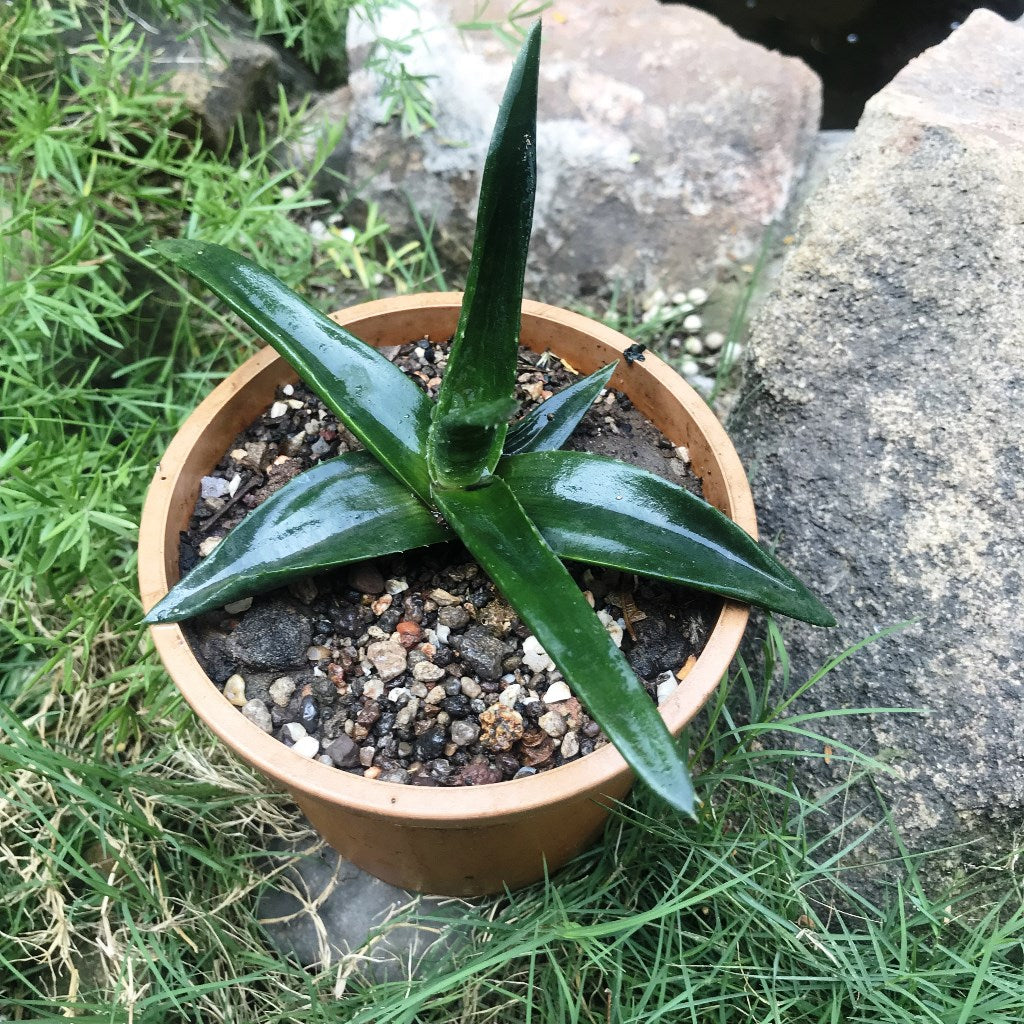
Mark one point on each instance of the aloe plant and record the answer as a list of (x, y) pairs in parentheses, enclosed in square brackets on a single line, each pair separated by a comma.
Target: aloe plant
[(432, 470)]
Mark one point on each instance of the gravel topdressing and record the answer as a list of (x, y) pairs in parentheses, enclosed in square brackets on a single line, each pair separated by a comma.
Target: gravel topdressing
[(413, 668)]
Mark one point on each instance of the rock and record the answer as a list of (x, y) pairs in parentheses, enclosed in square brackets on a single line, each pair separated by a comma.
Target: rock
[(237, 607), (464, 733), (225, 83), (293, 731), (470, 687), (258, 713), (553, 724), (388, 658), (482, 652), (500, 727), (213, 487), (453, 616), (535, 658), (274, 635), (665, 685), (570, 746), (885, 382), (281, 690), (427, 672), (234, 690), (556, 692), (343, 752), (323, 909), (306, 746), (366, 578), (647, 176)]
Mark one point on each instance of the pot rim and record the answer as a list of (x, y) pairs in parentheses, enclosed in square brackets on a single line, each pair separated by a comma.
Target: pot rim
[(416, 805)]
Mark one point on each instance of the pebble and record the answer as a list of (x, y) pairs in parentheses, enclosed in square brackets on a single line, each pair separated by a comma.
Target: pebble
[(665, 685), (688, 367), (553, 724), (500, 727), (258, 713), (208, 546), (308, 713), (399, 694), (427, 672), (237, 607), (435, 695), (612, 625), (394, 587), (388, 658), (366, 756), (373, 772), (524, 773), (304, 590), (714, 340), (317, 653), (535, 658), (373, 688), (342, 752), (570, 745), (234, 690), (443, 633), (294, 731), (307, 746), (409, 633), (692, 323), (213, 487), (697, 296), (453, 616), (464, 733), (281, 690), (399, 775), (556, 692), (278, 409), (470, 687), (443, 598), (366, 578), (381, 605), (482, 652), (511, 695), (693, 345)]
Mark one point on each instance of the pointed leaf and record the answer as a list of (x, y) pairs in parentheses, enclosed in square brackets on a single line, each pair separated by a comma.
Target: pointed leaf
[(498, 533), (598, 510), (342, 510), (551, 424), (482, 361), (371, 396)]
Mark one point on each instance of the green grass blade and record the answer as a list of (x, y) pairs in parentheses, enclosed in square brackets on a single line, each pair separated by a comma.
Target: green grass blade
[(550, 425), (598, 510), (475, 400), (370, 395), (343, 510), (498, 533)]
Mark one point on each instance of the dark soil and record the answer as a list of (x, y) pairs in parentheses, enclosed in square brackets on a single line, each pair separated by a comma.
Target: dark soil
[(413, 668)]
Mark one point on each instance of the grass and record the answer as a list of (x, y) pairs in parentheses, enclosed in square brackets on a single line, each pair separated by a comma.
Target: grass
[(132, 846)]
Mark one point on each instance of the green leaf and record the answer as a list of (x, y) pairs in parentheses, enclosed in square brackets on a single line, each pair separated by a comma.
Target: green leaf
[(342, 510), (550, 425), (598, 510), (371, 396), (480, 376), (498, 533)]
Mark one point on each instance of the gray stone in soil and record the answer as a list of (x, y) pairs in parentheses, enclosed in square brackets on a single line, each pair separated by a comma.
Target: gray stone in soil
[(322, 910), (274, 635), (343, 752), (481, 652), (883, 423), (648, 177)]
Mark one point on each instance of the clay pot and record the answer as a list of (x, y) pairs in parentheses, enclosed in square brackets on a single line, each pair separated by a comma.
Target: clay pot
[(460, 841)]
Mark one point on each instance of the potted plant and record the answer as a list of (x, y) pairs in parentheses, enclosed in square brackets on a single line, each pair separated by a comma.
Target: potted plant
[(455, 467)]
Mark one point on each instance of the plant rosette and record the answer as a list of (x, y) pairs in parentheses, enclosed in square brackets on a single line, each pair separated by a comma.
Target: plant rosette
[(461, 466), (456, 841)]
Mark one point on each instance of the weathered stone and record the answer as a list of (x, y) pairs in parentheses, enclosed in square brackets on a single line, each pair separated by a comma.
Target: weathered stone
[(482, 652), (388, 658), (665, 143), (885, 380), (274, 635), (343, 752)]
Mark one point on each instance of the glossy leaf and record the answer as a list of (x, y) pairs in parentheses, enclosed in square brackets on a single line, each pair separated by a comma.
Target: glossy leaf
[(370, 395), (342, 510), (499, 534), (598, 510), (551, 424), (474, 404)]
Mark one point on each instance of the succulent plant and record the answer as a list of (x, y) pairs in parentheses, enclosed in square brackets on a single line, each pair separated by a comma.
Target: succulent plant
[(431, 470)]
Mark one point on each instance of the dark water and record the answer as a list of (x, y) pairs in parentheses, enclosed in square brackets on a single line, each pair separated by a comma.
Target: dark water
[(856, 46)]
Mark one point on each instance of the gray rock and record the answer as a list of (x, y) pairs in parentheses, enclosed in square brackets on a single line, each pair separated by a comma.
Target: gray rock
[(343, 752), (883, 420), (482, 652), (665, 142), (322, 910), (258, 713), (274, 635)]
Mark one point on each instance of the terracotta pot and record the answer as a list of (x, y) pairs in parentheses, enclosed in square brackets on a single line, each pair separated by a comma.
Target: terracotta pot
[(464, 841)]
